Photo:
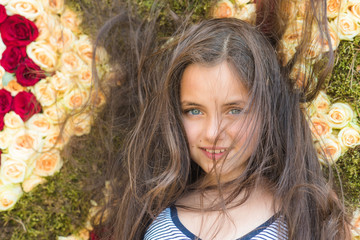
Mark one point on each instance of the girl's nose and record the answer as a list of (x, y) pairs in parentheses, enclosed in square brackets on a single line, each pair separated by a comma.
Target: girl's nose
[(213, 130)]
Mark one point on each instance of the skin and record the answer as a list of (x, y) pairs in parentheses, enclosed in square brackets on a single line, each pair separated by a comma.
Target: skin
[(216, 117)]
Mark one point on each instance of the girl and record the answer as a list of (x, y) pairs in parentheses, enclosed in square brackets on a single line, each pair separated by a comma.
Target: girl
[(215, 143)]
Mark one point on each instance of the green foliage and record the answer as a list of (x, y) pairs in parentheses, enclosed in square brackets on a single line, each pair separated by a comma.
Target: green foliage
[(344, 86)]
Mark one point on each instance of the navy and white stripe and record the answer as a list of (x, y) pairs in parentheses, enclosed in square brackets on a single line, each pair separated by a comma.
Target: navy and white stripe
[(167, 226)]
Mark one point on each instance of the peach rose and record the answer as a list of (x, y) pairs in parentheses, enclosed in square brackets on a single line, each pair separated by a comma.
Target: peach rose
[(39, 123), (56, 113), (347, 26), (31, 182), (356, 223), (339, 115), (42, 54), (354, 9), (9, 195), (55, 139), (70, 20), (24, 145), (45, 93), (55, 6), (320, 127), (85, 78), (349, 136), (46, 23), (75, 98), (98, 99), (247, 13), (84, 48), (61, 81), (30, 9), (12, 171), (79, 124), (333, 8), (61, 38), (328, 149), (290, 40), (299, 73), (321, 102), (71, 63), (14, 87), (224, 9), (48, 163), (13, 121)]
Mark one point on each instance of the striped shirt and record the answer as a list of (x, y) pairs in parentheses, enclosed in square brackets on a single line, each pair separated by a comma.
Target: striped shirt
[(167, 226)]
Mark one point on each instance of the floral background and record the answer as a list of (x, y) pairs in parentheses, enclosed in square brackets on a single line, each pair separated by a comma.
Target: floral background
[(46, 91)]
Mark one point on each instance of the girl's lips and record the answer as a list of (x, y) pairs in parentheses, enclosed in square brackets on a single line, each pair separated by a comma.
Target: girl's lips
[(212, 153)]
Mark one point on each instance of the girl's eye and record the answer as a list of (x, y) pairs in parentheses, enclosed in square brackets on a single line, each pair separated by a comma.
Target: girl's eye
[(193, 112), (235, 111)]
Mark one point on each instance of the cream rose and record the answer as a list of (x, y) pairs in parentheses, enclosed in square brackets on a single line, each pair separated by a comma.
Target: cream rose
[(5, 138), (39, 123), (13, 121), (320, 127), (56, 113), (61, 38), (4, 2), (347, 26), (14, 87), (42, 54), (55, 6), (9, 195), (85, 77), (80, 124), (224, 9), (98, 99), (339, 115), (45, 93), (75, 98), (84, 48), (321, 102), (61, 81), (70, 20), (55, 138), (48, 163), (328, 149), (349, 137), (354, 9), (12, 171), (46, 23), (71, 63), (242, 2), (24, 145), (247, 13), (333, 8), (290, 40), (31, 182), (30, 9)]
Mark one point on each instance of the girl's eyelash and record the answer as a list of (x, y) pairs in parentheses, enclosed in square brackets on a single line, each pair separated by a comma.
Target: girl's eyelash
[(236, 110), (192, 111)]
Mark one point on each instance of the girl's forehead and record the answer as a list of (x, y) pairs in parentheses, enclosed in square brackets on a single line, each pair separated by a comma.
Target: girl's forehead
[(212, 82)]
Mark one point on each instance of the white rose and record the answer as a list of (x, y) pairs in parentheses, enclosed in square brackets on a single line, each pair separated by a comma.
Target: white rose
[(24, 145), (46, 23), (30, 9), (61, 81), (44, 93), (56, 113), (9, 195), (12, 171), (5, 138), (349, 136), (4, 2), (75, 98), (347, 26), (354, 9), (48, 163), (339, 115), (61, 38), (39, 123), (42, 54), (247, 13), (13, 121), (55, 6), (84, 48), (31, 182), (71, 63), (328, 149)]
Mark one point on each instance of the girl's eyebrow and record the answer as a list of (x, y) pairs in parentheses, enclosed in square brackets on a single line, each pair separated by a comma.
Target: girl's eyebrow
[(190, 104), (238, 102)]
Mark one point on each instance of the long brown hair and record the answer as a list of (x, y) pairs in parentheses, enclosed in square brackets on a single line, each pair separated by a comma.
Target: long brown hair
[(149, 163)]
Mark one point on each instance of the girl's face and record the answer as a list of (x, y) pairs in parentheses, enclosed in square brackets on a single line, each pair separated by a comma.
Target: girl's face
[(218, 129)]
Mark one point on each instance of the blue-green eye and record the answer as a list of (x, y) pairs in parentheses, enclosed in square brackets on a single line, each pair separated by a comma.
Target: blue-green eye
[(194, 112), (235, 111)]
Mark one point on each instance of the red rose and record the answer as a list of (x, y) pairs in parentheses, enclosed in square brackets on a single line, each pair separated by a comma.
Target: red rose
[(5, 101), (25, 105), (28, 73), (11, 58), (18, 31), (1, 123), (3, 14)]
